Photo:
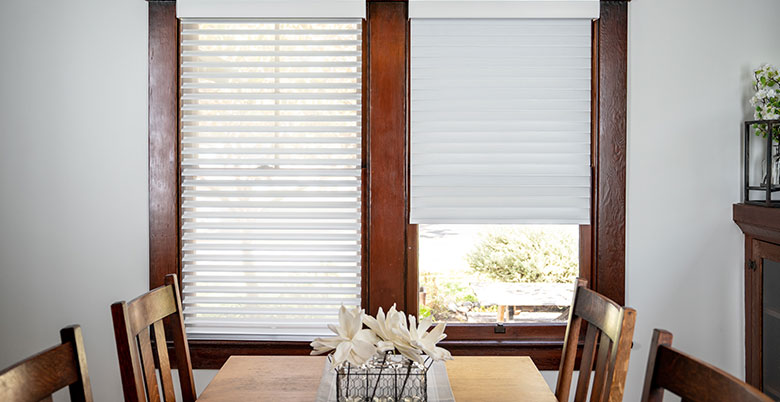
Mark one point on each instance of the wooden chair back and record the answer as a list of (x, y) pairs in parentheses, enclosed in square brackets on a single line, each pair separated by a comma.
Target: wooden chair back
[(610, 330), (36, 378), (134, 324), (690, 378)]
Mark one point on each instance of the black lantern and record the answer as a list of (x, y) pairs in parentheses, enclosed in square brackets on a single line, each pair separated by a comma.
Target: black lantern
[(762, 162)]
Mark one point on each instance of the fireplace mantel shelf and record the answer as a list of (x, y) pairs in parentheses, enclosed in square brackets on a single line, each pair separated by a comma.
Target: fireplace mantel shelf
[(762, 223)]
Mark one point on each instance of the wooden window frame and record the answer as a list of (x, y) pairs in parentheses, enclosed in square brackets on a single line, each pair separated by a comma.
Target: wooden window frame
[(390, 272)]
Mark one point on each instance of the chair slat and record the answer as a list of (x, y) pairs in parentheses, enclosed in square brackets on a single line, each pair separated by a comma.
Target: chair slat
[(709, 380), (81, 390), (165, 363), (127, 351), (184, 364), (133, 320), (147, 361), (690, 378), (570, 342), (607, 342), (151, 307), (599, 311), (602, 365), (620, 356), (586, 363), (37, 377)]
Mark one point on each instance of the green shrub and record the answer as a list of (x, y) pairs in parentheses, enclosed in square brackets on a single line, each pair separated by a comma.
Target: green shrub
[(532, 254)]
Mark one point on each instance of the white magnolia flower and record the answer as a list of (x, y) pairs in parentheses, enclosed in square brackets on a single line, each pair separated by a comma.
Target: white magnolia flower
[(427, 341), (393, 332), (352, 344)]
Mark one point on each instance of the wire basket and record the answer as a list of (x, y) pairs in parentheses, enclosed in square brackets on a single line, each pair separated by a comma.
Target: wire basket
[(385, 378)]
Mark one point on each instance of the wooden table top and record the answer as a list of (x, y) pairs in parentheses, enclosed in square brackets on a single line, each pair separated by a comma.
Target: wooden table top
[(296, 378)]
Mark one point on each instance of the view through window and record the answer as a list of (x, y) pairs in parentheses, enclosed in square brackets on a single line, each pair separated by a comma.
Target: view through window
[(497, 273)]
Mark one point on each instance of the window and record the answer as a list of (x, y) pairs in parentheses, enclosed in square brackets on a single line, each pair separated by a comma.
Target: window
[(389, 243), (500, 165), (270, 176)]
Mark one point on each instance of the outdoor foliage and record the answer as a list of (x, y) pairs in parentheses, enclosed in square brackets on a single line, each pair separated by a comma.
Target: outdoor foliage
[(526, 255)]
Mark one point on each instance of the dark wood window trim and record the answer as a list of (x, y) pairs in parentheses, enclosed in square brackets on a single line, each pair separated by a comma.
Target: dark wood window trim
[(390, 244)]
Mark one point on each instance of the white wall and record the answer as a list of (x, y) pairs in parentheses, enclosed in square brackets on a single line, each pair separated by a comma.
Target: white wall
[(73, 157), (73, 176), (690, 68)]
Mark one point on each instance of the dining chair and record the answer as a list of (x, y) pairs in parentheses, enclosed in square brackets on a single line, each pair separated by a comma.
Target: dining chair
[(37, 377), (690, 378), (610, 330), (134, 323)]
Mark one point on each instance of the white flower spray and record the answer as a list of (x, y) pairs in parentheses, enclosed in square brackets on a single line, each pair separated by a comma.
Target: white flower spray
[(766, 100), (386, 333)]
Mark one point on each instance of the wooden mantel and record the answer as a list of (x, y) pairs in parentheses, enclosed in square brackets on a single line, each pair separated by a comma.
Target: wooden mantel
[(762, 223)]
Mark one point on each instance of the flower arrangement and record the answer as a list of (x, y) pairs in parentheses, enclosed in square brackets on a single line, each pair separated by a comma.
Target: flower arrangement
[(766, 100), (362, 353), (386, 333)]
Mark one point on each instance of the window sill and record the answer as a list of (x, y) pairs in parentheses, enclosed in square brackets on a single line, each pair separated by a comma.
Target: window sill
[(543, 343)]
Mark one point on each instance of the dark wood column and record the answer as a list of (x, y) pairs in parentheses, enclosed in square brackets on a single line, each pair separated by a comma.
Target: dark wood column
[(163, 142), (610, 174), (387, 174)]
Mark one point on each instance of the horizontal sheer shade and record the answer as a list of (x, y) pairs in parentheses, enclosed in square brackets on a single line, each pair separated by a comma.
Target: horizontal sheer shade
[(271, 176), (271, 8), (588, 9), (500, 121)]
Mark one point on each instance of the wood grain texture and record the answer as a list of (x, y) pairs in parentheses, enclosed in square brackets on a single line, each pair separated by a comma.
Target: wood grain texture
[(81, 390), (613, 326), (127, 353), (761, 227), (571, 339), (296, 378), (147, 363), (759, 222), (266, 378), (753, 319), (151, 307), (182, 347), (132, 323), (760, 251), (610, 180), (690, 378), (164, 362), (37, 377), (622, 356), (163, 142), (387, 155), (502, 378), (650, 393)]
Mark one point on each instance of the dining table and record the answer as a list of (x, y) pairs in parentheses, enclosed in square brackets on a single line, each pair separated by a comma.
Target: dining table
[(297, 378)]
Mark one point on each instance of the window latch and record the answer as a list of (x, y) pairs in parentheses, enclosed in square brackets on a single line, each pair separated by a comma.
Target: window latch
[(499, 329)]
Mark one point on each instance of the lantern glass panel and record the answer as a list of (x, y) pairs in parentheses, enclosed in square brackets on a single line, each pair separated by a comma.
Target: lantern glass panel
[(762, 162)]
